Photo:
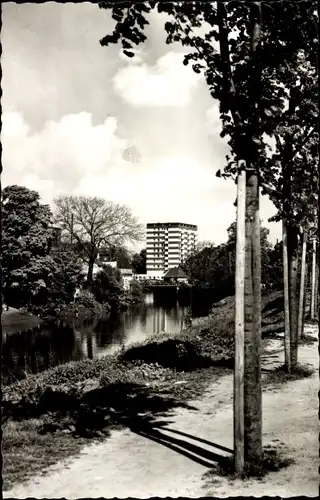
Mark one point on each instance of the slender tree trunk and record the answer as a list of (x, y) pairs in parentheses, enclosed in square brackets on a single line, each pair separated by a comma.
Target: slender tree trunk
[(293, 299), (1, 278), (252, 329), (238, 400), (287, 347), (252, 283), (90, 274), (302, 285), (92, 260), (89, 344), (316, 292), (71, 231), (304, 301), (313, 281)]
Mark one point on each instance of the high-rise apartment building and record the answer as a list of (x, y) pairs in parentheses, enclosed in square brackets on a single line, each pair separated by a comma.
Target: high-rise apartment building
[(168, 245)]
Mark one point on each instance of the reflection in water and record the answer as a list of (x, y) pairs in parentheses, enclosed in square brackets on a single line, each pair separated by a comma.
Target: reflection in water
[(37, 349)]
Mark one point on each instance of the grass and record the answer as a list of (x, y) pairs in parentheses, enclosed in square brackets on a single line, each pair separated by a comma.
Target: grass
[(188, 386), (117, 395), (307, 339), (27, 452), (273, 460), (52, 414)]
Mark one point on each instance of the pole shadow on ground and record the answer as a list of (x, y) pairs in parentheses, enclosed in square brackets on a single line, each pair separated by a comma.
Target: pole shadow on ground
[(192, 451)]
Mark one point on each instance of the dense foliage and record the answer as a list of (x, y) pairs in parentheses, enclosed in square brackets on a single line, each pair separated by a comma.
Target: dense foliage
[(43, 277), (26, 241), (64, 277), (119, 254), (34, 275), (107, 287), (214, 266), (136, 292), (139, 262)]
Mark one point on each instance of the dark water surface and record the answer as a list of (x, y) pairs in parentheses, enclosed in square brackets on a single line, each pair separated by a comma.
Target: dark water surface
[(37, 349)]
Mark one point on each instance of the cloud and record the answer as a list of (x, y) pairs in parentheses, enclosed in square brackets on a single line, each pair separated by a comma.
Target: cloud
[(167, 83), (172, 188), (54, 50), (60, 154), (213, 119), (51, 145), (76, 157)]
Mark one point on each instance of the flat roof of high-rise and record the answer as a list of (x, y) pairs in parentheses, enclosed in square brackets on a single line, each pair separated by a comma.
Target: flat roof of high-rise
[(151, 225)]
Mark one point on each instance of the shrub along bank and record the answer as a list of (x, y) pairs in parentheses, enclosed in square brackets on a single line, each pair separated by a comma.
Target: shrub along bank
[(86, 398), (208, 342)]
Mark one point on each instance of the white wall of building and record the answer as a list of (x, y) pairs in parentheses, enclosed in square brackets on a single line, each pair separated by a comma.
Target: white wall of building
[(169, 244)]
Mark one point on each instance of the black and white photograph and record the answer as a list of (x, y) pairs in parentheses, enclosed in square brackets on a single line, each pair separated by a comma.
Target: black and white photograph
[(159, 221)]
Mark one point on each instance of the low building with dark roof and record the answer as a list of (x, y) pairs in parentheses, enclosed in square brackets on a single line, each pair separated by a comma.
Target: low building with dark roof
[(176, 274)]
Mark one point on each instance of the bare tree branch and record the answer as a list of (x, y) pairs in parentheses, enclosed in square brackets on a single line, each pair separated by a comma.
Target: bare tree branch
[(95, 222)]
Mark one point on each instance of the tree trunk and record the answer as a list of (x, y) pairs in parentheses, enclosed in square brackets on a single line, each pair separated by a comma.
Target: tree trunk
[(287, 347), (293, 300), (313, 281), (90, 273), (302, 284), (304, 301), (238, 400), (252, 328), (89, 344), (316, 291)]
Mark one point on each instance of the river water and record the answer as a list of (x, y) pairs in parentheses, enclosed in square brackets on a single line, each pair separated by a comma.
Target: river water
[(36, 349)]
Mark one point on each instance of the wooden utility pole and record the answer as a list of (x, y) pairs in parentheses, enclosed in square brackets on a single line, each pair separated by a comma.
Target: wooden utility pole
[(252, 330), (287, 358), (238, 401), (252, 279), (304, 300), (302, 284), (313, 280), (316, 291)]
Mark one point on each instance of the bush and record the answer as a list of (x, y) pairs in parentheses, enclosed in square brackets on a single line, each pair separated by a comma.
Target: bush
[(107, 288), (280, 375), (182, 355), (87, 300), (136, 292)]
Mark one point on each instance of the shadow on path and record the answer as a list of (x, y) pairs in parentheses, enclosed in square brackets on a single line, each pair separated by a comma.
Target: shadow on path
[(192, 451)]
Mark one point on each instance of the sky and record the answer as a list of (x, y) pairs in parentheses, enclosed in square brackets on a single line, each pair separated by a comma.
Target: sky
[(71, 108)]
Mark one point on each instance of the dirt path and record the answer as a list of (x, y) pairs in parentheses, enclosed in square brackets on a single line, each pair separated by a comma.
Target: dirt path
[(135, 464)]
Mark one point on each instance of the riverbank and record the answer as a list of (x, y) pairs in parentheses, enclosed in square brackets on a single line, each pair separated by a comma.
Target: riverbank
[(14, 320), (51, 421), (52, 414), (184, 444)]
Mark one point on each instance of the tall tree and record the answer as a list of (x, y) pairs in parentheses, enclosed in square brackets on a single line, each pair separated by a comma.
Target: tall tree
[(235, 70), (26, 243), (294, 162), (107, 287), (139, 262), (35, 275), (302, 284), (120, 254), (95, 223), (313, 281)]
